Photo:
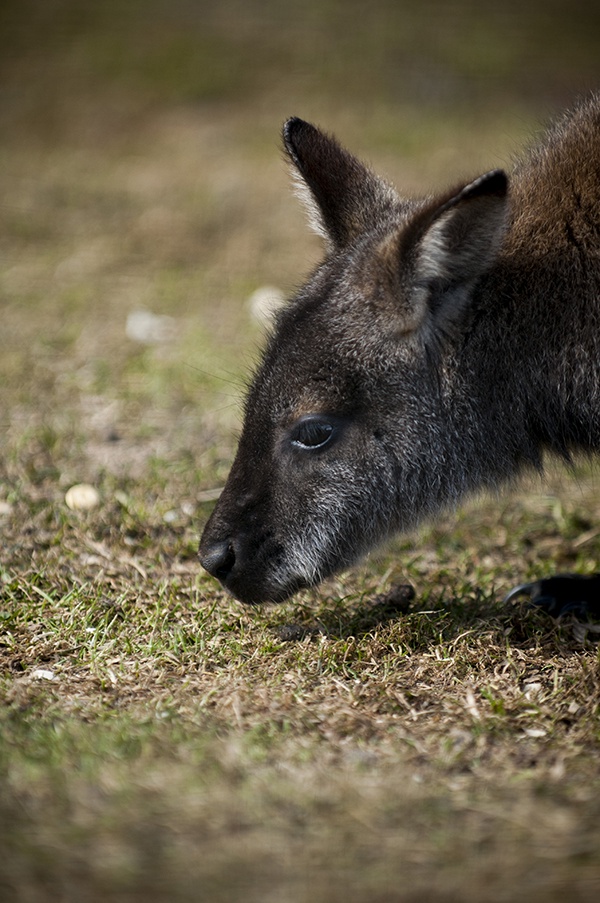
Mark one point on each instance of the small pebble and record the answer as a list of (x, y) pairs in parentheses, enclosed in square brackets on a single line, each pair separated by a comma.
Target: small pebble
[(82, 497), (43, 674), (290, 633), (150, 329), (397, 599)]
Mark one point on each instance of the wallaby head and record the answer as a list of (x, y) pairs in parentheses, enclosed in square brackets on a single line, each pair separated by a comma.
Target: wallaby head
[(376, 402)]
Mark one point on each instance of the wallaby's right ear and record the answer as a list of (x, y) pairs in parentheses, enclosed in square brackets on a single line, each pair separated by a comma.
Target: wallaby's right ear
[(433, 263), (344, 197)]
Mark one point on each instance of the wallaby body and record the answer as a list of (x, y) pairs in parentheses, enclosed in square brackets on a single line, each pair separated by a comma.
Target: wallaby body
[(442, 346)]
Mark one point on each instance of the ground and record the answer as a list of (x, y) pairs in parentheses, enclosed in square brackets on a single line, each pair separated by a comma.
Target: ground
[(158, 741)]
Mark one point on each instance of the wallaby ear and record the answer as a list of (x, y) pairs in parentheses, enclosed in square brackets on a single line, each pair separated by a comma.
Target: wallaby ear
[(344, 198), (435, 260)]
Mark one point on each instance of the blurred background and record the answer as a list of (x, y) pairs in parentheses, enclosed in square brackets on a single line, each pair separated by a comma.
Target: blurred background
[(144, 199)]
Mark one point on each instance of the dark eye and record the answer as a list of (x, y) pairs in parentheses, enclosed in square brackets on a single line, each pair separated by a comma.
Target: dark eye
[(311, 432)]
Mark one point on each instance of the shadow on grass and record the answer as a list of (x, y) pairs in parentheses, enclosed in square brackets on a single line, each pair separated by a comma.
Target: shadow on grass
[(435, 619)]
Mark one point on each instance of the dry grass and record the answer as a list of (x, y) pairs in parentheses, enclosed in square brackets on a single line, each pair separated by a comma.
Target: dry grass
[(332, 748), (158, 741)]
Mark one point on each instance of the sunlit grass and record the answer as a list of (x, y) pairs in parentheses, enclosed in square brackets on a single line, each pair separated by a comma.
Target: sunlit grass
[(157, 740)]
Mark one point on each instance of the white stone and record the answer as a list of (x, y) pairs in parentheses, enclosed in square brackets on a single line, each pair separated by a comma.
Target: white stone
[(82, 497)]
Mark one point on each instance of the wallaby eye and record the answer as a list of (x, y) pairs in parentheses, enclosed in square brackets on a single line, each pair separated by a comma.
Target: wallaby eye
[(311, 432)]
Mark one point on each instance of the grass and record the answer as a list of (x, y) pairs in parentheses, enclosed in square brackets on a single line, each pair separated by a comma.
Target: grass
[(157, 740)]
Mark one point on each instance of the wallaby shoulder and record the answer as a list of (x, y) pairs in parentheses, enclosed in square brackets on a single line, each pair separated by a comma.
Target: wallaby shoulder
[(555, 190)]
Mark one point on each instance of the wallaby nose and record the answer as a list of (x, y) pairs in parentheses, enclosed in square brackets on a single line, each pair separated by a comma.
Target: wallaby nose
[(218, 559)]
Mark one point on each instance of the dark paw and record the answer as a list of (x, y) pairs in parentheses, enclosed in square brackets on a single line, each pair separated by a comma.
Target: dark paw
[(563, 594)]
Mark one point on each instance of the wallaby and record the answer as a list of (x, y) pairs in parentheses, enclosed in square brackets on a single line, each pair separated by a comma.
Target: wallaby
[(443, 346)]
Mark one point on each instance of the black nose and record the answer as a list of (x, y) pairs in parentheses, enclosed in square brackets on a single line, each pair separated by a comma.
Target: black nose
[(218, 559)]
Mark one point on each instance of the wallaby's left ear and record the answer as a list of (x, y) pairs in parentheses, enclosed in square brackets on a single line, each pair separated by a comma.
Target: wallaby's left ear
[(445, 249), (344, 198)]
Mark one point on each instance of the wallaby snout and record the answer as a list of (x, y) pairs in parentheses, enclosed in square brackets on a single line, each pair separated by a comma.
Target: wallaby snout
[(219, 558)]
